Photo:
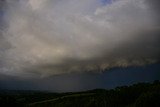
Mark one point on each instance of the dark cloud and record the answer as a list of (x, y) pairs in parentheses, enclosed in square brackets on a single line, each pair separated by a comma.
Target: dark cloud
[(50, 37), (84, 81)]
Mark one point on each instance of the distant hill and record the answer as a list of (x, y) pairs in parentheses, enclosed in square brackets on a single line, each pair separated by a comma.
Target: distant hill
[(137, 95)]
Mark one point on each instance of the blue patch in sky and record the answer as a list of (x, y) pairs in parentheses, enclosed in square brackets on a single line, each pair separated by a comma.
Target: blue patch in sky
[(1, 13), (104, 2)]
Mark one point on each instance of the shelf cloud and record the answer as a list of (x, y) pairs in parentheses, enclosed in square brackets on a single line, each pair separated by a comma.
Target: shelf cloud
[(51, 37)]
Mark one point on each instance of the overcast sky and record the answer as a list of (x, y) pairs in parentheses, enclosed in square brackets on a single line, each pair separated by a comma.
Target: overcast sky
[(43, 38), (48, 37)]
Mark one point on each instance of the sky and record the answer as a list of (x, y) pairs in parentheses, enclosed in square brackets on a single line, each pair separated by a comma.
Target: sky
[(84, 81), (43, 39)]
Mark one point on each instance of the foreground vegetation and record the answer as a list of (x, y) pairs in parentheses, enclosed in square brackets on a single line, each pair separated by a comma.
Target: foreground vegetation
[(137, 95)]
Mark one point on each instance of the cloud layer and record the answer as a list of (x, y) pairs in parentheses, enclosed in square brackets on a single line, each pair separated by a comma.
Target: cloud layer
[(48, 37)]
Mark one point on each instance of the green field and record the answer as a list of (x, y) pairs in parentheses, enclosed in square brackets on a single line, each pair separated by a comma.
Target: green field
[(137, 95)]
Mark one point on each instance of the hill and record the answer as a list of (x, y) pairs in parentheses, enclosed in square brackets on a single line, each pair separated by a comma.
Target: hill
[(137, 95)]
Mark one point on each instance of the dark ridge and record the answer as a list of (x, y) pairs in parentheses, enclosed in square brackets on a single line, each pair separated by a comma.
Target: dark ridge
[(137, 95)]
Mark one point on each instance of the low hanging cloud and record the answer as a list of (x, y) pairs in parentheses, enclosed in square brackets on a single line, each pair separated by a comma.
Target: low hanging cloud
[(49, 37)]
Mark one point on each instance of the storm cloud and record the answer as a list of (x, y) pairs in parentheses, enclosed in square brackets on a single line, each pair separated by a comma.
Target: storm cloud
[(50, 37)]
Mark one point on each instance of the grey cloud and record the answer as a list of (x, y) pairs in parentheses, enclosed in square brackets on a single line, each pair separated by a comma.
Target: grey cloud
[(48, 37)]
